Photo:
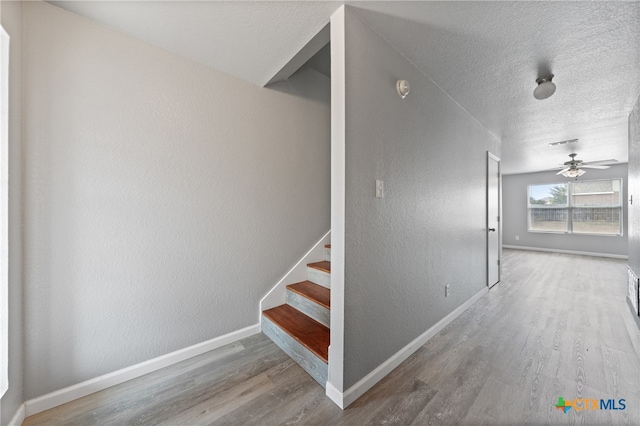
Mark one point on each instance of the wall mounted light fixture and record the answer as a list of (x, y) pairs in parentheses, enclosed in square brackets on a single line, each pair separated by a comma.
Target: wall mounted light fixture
[(545, 88), (403, 88)]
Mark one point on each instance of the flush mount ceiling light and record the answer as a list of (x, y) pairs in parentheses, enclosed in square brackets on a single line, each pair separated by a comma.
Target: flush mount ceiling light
[(545, 88), (402, 86)]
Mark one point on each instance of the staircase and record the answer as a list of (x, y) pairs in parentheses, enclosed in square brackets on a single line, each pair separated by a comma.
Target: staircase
[(301, 326)]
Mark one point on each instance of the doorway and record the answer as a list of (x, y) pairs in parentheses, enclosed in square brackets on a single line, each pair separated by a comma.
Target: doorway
[(494, 230)]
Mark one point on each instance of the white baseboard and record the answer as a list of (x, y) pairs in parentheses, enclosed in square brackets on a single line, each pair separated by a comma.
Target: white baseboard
[(19, 417), (62, 396), (335, 395), (581, 253), (278, 293), (343, 400)]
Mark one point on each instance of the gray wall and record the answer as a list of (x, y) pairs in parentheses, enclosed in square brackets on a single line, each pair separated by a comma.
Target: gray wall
[(514, 202), (634, 188), (163, 198), (12, 23), (430, 228)]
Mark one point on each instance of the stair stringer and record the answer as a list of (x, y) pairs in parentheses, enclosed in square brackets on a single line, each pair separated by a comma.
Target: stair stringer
[(278, 294)]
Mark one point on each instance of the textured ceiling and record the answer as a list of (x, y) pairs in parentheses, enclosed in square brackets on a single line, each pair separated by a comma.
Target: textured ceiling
[(485, 55)]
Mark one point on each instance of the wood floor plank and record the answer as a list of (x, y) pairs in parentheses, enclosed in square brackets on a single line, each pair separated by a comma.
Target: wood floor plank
[(494, 405), (291, 385), (456, 391), (225, 402), (556, 325)]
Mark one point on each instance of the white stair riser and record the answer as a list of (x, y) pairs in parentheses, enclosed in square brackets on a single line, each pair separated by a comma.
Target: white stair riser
[(319, 277), (327, 254), (301, 355), (309, 308)]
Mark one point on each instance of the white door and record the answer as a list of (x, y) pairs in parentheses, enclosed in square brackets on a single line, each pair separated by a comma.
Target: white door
[(493, 220)]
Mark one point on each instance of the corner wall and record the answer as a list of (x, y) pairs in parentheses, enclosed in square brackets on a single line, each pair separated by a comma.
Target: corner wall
[(13, 23), (634, 209), (634, 188), (514, 201), (163, 198), (429, 230)]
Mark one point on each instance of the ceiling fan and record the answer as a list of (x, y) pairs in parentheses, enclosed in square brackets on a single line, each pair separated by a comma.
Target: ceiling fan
[(573, 167)]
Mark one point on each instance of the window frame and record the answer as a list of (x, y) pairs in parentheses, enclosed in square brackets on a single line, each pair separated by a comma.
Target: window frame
[(570, 209)]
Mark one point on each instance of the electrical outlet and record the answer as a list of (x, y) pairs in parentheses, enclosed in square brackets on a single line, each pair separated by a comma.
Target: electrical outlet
[(517, 237), (446, 290)]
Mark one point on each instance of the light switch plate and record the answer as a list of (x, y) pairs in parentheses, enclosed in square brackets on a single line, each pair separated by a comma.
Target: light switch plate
[(379, 189)]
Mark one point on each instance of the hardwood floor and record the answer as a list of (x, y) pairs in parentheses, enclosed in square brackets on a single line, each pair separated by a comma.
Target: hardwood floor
[(556, 326)]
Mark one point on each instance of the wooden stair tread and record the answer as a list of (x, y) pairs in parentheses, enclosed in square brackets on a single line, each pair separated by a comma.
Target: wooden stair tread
[(327, 246), (314, 292), (308, 332), (324, 266)]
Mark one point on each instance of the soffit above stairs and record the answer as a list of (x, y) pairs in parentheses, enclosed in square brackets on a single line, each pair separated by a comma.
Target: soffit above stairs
[(486, 55), (251, 40)]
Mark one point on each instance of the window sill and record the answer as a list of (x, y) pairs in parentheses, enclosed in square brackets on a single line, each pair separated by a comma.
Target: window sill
[(574, 233)]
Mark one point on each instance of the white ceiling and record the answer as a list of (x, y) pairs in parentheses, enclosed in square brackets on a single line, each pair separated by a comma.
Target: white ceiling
[(485, 55)]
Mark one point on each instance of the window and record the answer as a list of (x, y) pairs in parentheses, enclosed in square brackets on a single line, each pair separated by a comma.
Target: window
[(548, 208), (580, 207)]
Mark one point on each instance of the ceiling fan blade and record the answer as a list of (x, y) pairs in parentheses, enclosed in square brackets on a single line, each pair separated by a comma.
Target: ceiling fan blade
[(575, 164), (602, 162), (591, 166)]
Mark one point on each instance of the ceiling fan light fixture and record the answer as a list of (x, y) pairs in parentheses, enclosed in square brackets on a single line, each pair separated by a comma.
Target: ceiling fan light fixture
[(573, 168), (545, 88), (574, 173)]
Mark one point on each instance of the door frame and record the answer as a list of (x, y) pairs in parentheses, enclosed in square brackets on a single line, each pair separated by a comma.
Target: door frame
[(493, 157)]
